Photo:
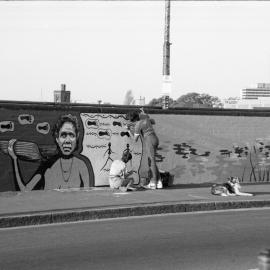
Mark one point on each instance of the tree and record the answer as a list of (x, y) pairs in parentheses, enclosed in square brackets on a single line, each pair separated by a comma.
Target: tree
[(192, 99), (197, 100), (129, 98), (189, 98), (157, 102)]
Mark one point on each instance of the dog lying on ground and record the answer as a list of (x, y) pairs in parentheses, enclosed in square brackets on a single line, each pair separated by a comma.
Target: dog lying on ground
[(230, 188)]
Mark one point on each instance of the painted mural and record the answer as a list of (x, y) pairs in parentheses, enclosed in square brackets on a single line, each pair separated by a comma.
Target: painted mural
[(67, 151), (58, 166), (205, 149), (105, 139), (46, 149)]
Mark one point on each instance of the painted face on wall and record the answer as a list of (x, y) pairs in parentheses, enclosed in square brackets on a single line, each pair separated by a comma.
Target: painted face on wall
[(67, 139)]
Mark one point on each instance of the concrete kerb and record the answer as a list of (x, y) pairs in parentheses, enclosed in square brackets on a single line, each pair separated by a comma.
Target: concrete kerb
[(50, 217)]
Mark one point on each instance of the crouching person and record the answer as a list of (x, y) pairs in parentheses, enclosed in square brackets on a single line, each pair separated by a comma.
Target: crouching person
[(118, 178)]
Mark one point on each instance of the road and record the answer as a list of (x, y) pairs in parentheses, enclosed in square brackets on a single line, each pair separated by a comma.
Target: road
[(212, 240)]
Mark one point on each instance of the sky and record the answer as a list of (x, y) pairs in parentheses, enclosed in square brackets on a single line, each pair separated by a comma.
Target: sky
[(102, 49)]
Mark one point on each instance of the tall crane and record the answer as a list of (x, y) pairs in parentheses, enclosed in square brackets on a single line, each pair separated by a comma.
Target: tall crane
[(166, 86)]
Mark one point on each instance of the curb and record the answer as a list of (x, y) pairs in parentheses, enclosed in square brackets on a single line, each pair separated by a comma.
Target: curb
[(51, 217)]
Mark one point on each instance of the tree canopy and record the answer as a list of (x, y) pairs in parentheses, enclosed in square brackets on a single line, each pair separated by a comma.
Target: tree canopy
[(192, 99), (158, 102)]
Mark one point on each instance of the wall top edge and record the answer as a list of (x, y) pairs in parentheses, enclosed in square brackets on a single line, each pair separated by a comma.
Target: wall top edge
[(111, 108)]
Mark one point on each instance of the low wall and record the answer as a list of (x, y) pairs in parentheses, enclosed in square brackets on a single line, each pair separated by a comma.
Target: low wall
[(197, 146)]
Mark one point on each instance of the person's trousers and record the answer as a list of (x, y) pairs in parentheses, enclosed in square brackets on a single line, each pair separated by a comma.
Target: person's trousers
[(116, 182), (151, 144)]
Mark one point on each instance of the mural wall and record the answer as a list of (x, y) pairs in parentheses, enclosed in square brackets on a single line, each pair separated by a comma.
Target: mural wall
[(105, 139), (41, 150), (58, 149), (209, 148)]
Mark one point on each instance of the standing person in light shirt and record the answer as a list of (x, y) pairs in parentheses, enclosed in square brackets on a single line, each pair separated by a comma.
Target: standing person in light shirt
[(144, 129)]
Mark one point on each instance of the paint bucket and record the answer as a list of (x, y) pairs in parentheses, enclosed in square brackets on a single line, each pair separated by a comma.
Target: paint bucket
[(166, 178)]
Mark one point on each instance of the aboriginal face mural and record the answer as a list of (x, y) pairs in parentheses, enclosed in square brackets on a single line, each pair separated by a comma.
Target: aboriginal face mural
[(67, 139), (63, 169), (68, 171)]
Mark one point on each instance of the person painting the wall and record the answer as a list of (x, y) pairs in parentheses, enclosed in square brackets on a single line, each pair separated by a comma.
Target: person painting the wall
[(67, 171), (119, 176), (143, 128)]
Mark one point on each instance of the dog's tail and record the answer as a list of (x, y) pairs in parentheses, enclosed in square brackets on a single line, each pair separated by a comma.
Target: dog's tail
[(218, 190)]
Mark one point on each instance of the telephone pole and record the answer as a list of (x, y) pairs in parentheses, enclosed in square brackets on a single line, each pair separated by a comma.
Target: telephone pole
[(166, 86)]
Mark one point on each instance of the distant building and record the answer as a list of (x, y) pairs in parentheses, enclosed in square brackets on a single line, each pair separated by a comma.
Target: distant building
[(231, 102), (62, 95), (251, 98), (262, 90)]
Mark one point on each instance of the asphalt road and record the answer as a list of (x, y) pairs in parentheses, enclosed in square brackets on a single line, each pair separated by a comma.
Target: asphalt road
[(220, 240)]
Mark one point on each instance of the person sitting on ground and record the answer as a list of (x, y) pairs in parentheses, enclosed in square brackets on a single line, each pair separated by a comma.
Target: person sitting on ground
[(118, 177)]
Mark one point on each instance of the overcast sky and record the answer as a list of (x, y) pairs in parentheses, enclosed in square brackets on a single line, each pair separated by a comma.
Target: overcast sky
[(102, 49)]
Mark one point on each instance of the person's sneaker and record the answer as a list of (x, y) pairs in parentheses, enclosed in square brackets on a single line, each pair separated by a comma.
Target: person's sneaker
[(159, 184), (123, 189), (151, 186)]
